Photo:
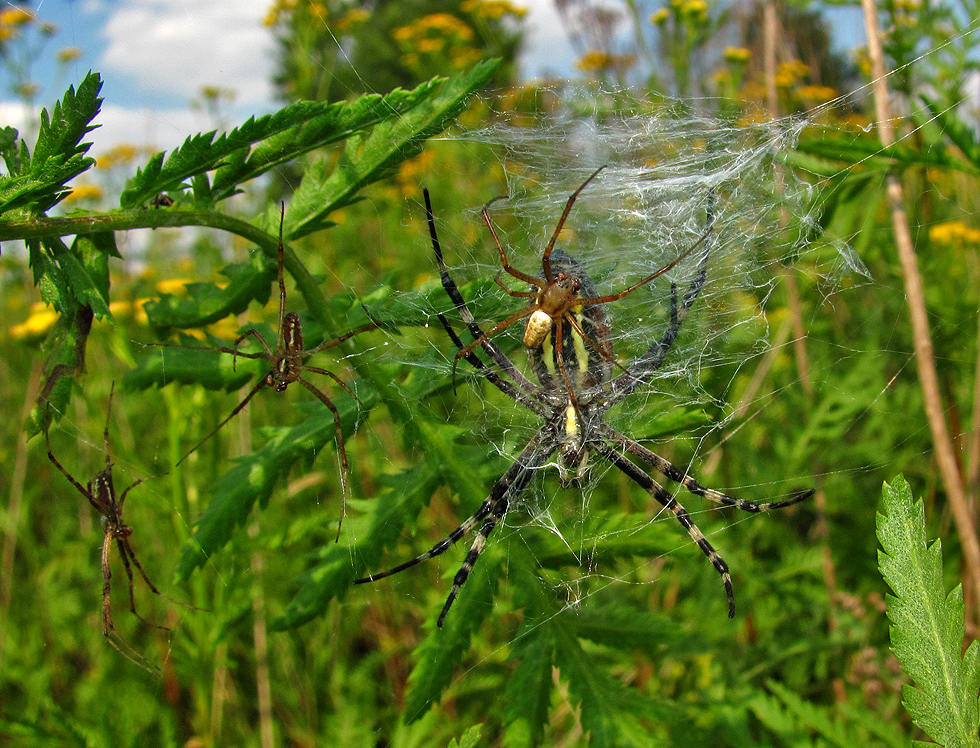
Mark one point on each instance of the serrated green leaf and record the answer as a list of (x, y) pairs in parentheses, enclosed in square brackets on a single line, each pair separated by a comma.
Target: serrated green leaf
[(610, 536), (65, 346), (191, 363), (363, 539), (528, 692), (254, 477), (277, 138), (927, 625), (208, 303), (390, 143), (625, 629), (59, 154), (952, 127), (319, 126), (439, 655)]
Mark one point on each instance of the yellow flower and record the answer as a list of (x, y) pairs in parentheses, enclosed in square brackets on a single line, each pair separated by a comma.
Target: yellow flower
[(793, 69), (68, 54), (817, 93), (593, 60), (84, 192), (173, 286), (493, 8), (954, 232), (660, 17), (278, 11), (696, 7), (431, 45), (737, 54), (42, 319), (353, 17), (122, 153), (15, 17)]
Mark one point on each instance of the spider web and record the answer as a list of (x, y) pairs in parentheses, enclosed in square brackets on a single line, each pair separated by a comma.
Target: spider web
[(647, 206), (645, 209)]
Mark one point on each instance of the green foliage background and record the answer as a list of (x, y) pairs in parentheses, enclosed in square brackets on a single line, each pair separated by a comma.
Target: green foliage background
[(244, 529)]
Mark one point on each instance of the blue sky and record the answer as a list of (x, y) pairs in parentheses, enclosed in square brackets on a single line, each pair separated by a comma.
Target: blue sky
[(156, 55)]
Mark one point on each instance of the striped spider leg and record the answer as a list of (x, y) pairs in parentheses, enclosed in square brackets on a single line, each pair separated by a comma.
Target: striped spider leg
[(101, 494), (573, 411), (287, 362)]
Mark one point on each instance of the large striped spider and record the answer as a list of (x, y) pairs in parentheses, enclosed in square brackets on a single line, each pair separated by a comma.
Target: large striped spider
[(573, 408)]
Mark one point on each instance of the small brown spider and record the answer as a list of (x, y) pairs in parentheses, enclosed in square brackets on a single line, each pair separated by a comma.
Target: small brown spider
[(101, 494), (287, 367)]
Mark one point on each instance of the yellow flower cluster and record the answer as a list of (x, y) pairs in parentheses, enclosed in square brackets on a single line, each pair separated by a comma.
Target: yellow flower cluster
[(817, 94), (443, 24), (14, 17), (954, 233), (119, 154), (84, 192), (790, 72), (436, 39), (493, 9), (69, 54), (280, 10), (737, 54), (42, 319), (351, 18), (682, 10), (595, 61)]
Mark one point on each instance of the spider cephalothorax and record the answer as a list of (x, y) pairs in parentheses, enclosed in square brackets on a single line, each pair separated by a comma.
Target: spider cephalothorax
[(575, 390)]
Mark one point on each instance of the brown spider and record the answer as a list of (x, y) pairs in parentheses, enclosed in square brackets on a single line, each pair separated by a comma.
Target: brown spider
[(287, 367), (557, 300), (101, 494)]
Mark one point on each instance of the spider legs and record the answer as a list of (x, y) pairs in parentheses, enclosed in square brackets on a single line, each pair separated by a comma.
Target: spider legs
[(677, 475), (491, 511), (126, 551), (639, 476), (264, 382)]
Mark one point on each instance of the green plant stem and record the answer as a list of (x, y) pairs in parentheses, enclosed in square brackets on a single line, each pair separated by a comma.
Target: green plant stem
[(154, 219)]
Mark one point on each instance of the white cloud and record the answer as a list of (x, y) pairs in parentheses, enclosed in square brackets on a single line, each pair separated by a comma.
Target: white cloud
[(143, 127), (15, 114), (177, 46)]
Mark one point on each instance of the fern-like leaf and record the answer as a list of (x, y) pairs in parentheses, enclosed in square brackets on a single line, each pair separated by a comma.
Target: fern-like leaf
[(40, 181), (365, 161), (927, 625), (255, 477)]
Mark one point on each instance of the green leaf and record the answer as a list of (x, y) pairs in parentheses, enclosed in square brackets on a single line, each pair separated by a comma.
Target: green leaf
[(281, 136), (255, 477), (438, 657), (320, 126), (363, 539), (927, 626), (528, 692), (59, 154), (470, 739), (367, 160), (952, 127), (209, 303), (191, 363), (65, 347)]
